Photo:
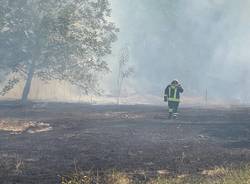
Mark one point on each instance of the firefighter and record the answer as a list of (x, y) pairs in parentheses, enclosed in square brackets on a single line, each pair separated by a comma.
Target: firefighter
[(172, 96)]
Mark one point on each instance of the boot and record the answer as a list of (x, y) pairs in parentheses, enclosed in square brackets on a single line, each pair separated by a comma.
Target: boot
[(170, 115), (175, 116)]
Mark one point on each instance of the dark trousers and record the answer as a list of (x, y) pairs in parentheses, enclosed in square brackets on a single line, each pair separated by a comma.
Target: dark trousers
[(173, 106)]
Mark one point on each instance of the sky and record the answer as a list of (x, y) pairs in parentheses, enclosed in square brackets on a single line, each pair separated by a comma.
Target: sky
[(204, 44)]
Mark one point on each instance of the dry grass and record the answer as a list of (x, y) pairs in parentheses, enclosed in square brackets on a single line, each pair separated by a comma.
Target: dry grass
[(96, 178), (214, 176), (118, 178), (14, 125), (19, 126), (11, 165)]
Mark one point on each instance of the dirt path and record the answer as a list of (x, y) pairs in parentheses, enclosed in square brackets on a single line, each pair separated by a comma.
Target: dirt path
[(127, 138)]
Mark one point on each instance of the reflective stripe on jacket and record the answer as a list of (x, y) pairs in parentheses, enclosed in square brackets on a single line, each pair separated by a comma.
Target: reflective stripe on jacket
[(173, 93)]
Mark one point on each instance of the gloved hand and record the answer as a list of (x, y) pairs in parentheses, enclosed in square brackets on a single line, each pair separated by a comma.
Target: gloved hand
[(165, 98)]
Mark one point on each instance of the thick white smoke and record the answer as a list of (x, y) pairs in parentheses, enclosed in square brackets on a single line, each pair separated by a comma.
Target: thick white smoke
[(202, 43)]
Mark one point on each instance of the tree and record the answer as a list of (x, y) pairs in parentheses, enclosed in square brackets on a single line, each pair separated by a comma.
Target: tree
[(55, 40), (124, 71)]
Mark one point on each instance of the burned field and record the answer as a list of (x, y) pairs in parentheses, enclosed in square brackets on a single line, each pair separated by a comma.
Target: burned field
[(40, 143)]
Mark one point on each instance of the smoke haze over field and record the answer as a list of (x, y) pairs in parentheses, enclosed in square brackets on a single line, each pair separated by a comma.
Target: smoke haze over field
[(204, 44)]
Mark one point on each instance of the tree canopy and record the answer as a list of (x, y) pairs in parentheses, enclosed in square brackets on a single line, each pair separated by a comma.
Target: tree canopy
[(55, 39)]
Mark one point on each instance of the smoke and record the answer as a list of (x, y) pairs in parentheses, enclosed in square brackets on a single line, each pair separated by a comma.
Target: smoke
[(204, 44)]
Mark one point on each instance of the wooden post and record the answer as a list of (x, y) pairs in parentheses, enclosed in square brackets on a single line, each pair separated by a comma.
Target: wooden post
[(206, 99)]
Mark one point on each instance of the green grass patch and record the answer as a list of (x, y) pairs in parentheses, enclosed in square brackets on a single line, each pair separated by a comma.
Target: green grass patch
[(218, 175)]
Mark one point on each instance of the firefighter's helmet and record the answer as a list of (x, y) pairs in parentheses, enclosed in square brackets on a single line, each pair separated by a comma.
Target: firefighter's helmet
[(175, 82)]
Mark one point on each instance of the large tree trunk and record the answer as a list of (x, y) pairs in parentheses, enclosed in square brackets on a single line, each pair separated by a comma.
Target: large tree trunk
[(26, 89)]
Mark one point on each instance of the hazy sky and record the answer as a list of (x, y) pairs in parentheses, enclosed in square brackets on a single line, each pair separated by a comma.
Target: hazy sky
[(204, 44)]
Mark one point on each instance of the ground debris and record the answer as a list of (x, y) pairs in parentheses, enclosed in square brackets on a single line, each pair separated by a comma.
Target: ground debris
[(20, 126)]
